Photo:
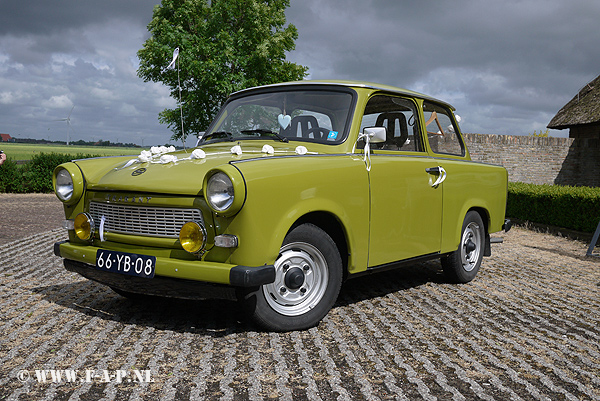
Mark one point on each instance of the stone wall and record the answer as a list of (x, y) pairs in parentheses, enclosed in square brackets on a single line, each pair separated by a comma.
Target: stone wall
[(562, 161)]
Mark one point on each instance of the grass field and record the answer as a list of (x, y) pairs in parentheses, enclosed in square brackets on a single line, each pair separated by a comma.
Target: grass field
[(25, 151)]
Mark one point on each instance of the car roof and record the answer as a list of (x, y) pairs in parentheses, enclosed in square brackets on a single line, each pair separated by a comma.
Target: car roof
[(347, 84)]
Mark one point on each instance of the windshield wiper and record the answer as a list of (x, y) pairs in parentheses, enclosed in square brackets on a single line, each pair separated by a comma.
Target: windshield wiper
[(265, 132), (227, 136)]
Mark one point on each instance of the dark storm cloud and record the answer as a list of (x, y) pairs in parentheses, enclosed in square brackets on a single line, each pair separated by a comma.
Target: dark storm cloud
[(41, 17), (507, 66), (58, 54), (42, 28), (493, 59)]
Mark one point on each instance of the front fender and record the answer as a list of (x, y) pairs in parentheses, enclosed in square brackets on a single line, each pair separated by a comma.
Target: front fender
[(282, 190)]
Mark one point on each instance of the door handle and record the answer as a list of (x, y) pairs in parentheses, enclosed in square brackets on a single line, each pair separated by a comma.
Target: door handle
[(437, 170)]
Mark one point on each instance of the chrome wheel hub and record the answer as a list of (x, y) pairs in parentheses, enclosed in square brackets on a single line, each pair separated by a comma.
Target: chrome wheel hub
[(301, 278), (471, 244)]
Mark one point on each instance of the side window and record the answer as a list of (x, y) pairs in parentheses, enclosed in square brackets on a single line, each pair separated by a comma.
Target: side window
[(441, 131), (399, 116)]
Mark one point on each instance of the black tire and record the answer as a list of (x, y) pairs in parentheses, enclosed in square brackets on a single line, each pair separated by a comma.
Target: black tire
[(462, 265), (307, 284)]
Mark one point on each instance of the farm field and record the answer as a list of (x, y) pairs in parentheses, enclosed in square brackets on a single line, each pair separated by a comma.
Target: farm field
[(25, 151)]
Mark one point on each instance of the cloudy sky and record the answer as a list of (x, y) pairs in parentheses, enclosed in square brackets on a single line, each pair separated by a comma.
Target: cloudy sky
[(507, 66)]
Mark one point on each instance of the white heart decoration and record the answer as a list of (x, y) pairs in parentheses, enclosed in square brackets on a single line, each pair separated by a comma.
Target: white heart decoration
[(284, 121)]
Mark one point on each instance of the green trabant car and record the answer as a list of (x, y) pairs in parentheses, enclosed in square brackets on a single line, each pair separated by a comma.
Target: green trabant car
[(293, 189)]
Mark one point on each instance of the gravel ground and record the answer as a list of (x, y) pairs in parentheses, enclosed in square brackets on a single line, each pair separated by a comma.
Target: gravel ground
[(528, 327), (22, 215)]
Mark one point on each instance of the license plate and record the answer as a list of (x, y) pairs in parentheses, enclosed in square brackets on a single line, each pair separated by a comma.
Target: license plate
[(125, 263)]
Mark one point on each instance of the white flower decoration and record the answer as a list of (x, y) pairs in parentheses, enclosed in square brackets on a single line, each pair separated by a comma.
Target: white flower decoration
[(236, 150), (198, 154), (155, 150), (145, 156), (301, 150), (268, 149), (168, 159), (171, 149)]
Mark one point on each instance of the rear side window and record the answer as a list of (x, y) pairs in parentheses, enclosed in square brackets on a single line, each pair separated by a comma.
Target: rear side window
[(442, 130)]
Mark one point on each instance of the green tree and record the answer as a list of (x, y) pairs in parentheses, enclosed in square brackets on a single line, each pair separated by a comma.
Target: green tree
[(225, 46)]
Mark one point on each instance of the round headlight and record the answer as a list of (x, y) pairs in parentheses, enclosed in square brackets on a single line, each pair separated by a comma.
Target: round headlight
[(68, 182), (192, 237), (64, 185), (84, 226), (219, 192)]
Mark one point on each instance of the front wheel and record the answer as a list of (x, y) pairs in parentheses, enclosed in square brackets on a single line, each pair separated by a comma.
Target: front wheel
[(462, 265), (308, 278)]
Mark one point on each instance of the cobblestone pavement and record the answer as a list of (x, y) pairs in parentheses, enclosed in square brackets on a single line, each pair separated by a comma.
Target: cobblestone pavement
[(526, 328)]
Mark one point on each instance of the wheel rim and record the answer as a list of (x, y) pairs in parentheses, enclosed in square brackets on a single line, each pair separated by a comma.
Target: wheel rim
[(301, 278), (470, 246)]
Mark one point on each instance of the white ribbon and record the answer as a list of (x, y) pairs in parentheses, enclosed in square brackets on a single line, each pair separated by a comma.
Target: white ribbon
[(102, 220), (367, 150), (175, 55)]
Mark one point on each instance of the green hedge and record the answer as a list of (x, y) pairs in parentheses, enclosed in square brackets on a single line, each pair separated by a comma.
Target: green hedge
[(575, 208), (34, 176)]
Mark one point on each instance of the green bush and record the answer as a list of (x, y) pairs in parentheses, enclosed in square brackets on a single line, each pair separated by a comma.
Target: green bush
[(575, 208), (34, 176), (10, 177)]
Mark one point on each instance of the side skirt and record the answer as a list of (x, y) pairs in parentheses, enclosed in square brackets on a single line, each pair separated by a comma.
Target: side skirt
[(398, 264)]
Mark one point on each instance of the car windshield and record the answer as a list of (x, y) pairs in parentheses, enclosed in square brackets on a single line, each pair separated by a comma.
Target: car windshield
[(299, 115)]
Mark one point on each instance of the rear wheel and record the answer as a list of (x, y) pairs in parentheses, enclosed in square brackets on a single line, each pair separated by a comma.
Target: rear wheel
[(308, 278), (462, 265)]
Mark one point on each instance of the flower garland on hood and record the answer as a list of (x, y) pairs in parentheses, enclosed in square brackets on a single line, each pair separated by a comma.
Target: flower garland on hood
[(159, 154)]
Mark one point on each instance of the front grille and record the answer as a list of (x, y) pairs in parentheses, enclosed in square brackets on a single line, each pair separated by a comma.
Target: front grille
[(142, 220)]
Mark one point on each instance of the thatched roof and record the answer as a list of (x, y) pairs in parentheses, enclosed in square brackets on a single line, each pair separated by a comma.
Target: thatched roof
[(584, 108)]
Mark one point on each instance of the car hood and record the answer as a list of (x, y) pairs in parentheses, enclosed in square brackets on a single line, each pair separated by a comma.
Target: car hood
[(180, 172)]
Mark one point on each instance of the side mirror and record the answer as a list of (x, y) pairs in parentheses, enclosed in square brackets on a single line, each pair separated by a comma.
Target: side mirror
[(376, 134)]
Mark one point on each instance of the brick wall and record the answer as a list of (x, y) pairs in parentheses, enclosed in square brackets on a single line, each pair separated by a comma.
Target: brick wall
[(563, 161)]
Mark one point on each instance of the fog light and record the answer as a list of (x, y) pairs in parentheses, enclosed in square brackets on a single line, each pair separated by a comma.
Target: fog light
[(84, 226), (192, 237)]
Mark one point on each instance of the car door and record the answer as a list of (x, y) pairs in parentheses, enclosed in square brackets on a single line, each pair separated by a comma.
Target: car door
[(406, 206), (466, 181)]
